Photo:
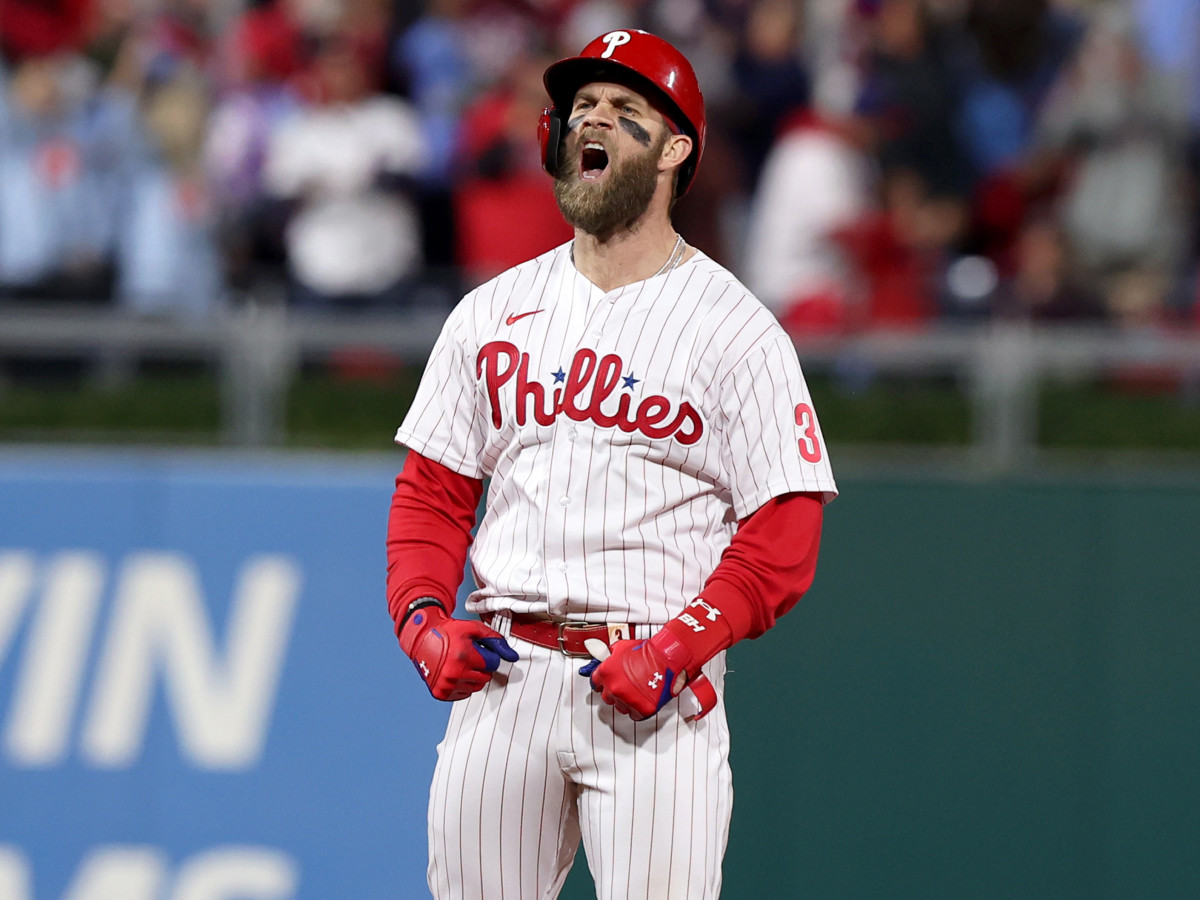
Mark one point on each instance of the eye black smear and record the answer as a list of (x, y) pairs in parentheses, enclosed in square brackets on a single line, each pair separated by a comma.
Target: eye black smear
[(636, 131)]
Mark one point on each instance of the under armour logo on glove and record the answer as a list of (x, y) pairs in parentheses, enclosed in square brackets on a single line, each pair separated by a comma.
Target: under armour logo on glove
[(711, 612), (702, 695), (629, 679), (455, 657)]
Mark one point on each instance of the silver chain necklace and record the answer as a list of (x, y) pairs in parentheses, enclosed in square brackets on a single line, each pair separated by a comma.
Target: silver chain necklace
[(673, 260), (675, 257)]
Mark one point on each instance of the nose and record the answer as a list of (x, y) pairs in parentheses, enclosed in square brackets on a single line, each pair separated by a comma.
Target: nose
[(599, 116)]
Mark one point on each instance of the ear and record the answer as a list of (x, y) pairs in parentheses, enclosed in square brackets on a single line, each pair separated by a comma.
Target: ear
[(675, 150)]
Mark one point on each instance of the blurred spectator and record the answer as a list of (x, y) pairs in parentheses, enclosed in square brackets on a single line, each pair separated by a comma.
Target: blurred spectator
[(834, 34), (1170, 35), (436, 66), (432, 59), (179, 32), (814, 185), (1120, 129), (504, 178), (363, 24), (910, 98), (167, 255), (30, 28), (588, 19), (265, 45), (59, 151), (1046, 286), (1015, 52), (263, 55), (771, 80), (447, 57), (986, 159), (901, 253), (354, 235), (103, 197), (451, 53), (706, 32), (909, 104)]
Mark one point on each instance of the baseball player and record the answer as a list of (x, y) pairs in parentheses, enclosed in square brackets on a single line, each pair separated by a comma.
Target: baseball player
[(655, 479)]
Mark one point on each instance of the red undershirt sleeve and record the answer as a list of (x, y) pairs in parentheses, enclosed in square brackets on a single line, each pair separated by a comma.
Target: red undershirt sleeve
[(768, 566), (429, 533)]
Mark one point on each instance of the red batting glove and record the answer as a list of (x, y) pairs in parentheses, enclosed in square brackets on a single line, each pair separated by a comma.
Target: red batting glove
[(639, 677), (454, 657)]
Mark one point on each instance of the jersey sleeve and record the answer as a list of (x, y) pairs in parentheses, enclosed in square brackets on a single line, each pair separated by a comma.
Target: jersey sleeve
[(444, 423), (429, 533), (772, 442), (769, 565)]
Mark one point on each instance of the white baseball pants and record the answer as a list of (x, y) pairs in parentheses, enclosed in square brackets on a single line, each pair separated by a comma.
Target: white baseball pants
[(536, 760)]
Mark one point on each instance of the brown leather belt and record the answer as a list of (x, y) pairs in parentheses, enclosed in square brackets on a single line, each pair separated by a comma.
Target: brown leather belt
[(566, 637)]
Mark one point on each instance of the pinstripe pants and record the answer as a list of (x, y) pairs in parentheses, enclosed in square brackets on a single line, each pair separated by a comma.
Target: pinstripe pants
[(536, 761)]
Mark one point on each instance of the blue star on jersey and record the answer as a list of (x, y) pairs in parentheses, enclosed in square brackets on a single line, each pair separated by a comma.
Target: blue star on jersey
[(559, 376), (630, 381)]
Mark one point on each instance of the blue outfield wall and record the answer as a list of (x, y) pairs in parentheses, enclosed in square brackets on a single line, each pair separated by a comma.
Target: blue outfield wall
[(992, 691), (200, 694)]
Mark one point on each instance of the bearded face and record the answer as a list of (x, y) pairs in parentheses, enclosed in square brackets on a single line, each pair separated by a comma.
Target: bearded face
[(601, 188)]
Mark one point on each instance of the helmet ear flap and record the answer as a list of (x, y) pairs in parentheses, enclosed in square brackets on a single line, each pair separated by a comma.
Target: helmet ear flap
[(550, 135)]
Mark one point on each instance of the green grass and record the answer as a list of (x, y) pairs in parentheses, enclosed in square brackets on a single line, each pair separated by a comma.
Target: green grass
[(892, 411), (170, 408), (182, 406), (1098, 417), (360, 410), (348, 414)]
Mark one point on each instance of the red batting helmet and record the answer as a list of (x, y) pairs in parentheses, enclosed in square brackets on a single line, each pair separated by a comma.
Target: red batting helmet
[(646, 63)]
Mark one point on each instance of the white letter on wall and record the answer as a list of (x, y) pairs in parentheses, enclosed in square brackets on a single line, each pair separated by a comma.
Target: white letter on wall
[(237, 873), (221, 708), (16, 581), (120, 873), (47, 688), (14, 874)]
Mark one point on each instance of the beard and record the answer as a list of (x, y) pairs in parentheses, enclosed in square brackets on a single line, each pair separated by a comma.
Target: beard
[(618, 201)]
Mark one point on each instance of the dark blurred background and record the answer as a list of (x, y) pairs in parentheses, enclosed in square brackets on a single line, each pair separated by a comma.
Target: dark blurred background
[(243, 223)]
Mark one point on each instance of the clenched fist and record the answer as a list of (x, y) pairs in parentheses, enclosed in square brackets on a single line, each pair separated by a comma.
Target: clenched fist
[(454, 657), (639, 677)]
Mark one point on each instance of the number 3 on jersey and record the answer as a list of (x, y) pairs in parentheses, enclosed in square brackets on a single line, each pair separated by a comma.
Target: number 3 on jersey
[(810, 447)]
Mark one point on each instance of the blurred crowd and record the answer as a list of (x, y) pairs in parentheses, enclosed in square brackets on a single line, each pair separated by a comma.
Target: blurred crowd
[(869, 162)]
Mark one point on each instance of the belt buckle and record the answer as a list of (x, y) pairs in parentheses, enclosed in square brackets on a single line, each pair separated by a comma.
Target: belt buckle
[(562, 645), (618, 631)]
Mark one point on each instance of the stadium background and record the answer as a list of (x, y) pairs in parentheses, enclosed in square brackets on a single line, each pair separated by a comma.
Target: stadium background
[(990, 690)]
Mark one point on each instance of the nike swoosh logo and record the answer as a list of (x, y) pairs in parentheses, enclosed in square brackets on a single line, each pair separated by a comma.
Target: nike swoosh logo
[(515, 316)]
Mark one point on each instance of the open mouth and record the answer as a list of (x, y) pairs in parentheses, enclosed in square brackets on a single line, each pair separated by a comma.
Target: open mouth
[(593, 160)]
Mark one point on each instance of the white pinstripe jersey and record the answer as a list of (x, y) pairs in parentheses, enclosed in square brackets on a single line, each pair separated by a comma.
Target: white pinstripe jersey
[(624, 433)]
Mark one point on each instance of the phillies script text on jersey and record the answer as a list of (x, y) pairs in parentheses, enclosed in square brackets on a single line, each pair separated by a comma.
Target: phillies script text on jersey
[(500, 361)]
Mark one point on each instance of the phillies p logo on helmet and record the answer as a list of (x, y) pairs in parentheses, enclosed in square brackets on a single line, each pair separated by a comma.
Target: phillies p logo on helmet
[(614, 39)]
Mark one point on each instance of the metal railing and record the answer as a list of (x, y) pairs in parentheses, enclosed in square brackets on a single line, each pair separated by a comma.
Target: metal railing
[(258, 349)]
